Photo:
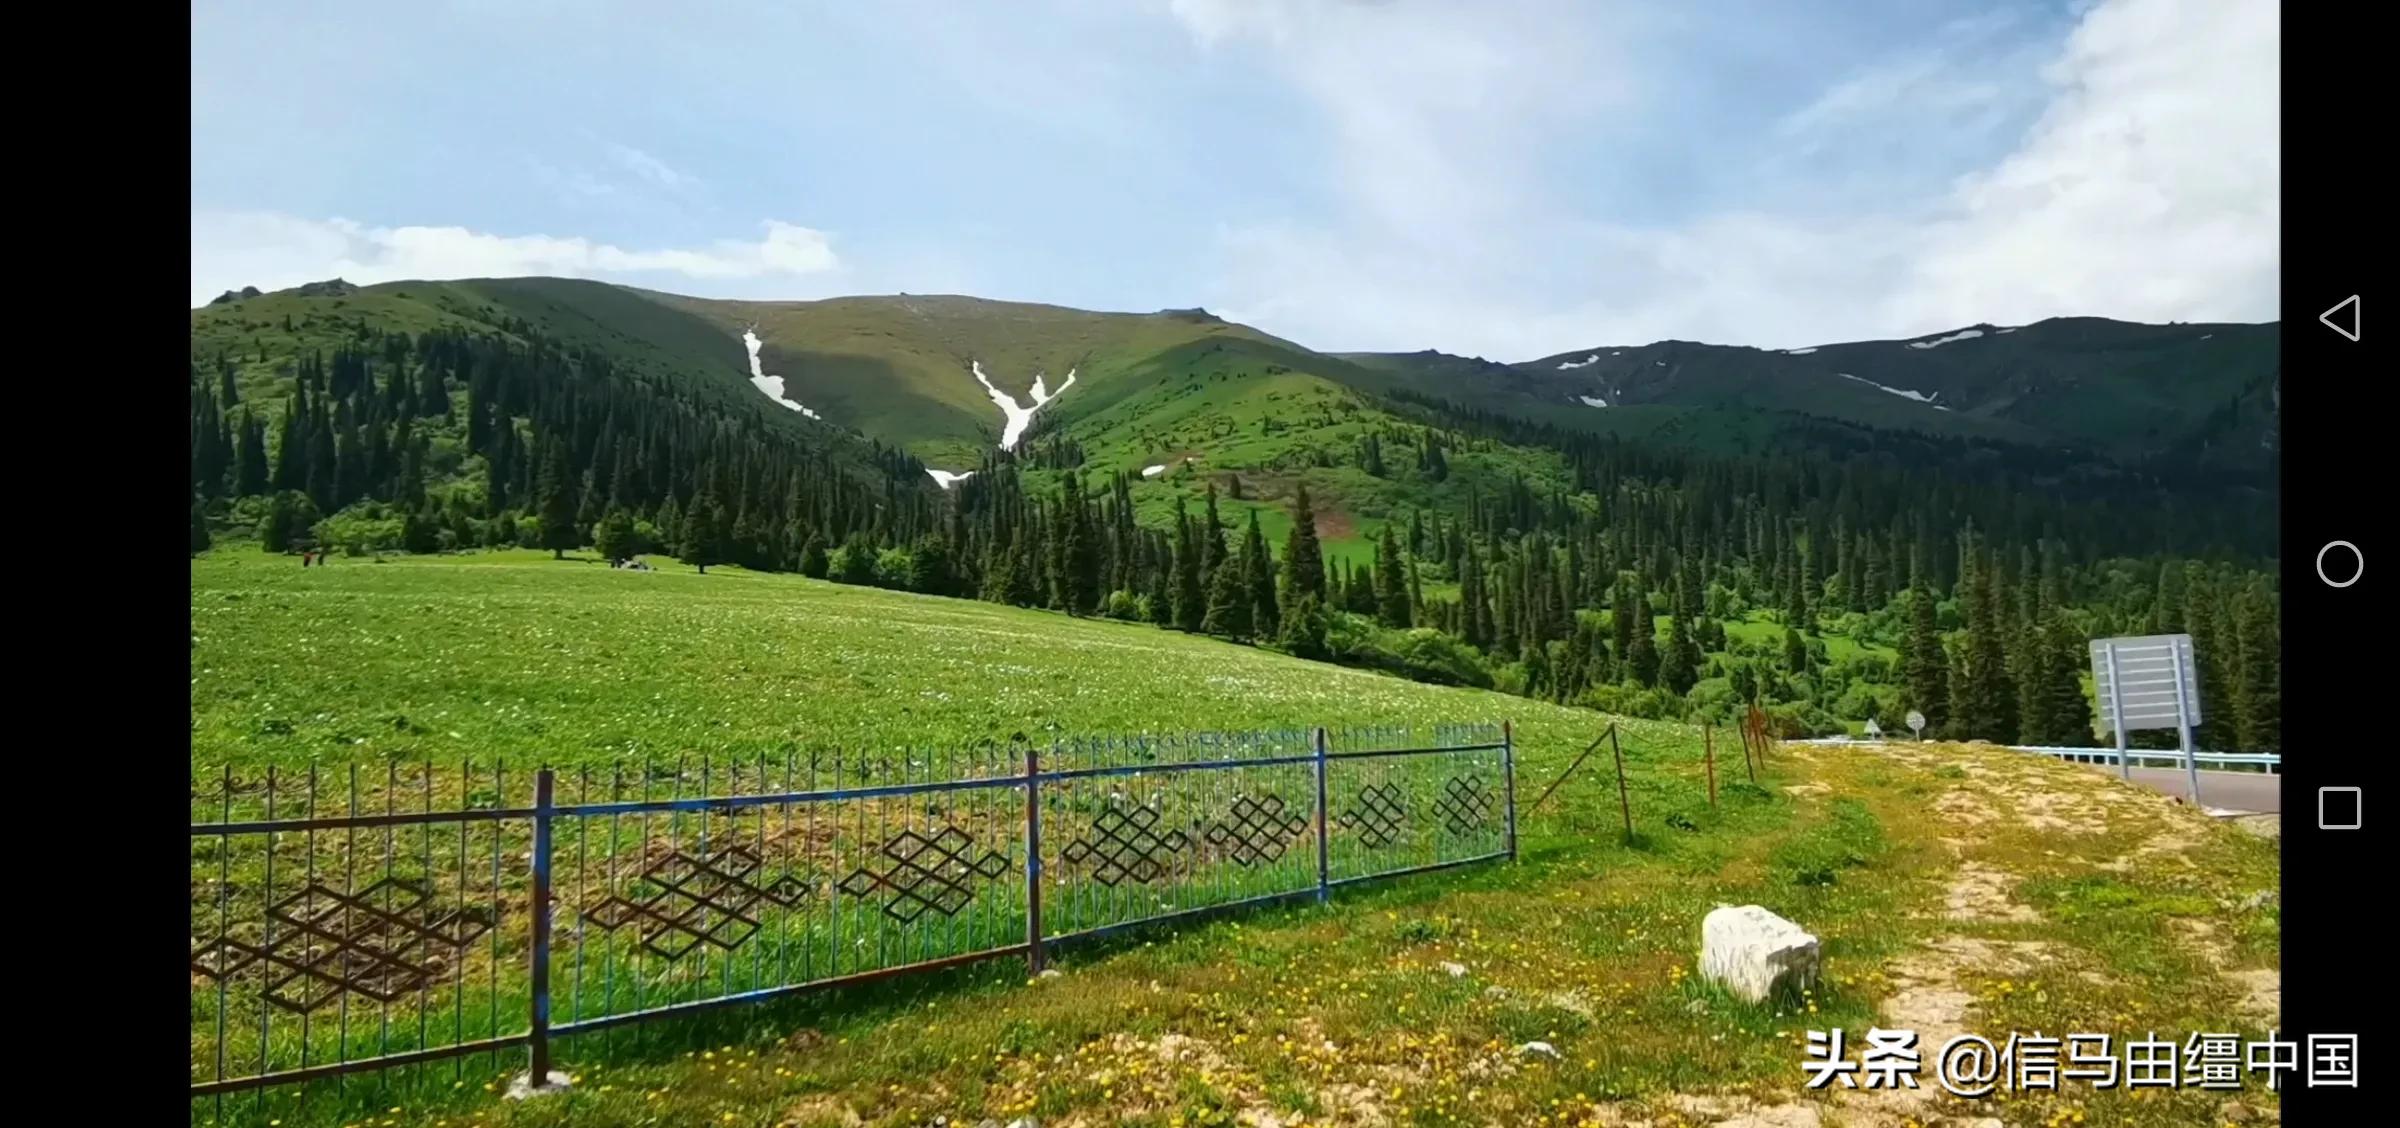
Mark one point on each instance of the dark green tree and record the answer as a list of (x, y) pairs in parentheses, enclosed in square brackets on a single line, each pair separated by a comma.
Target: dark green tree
[(1303, 559), (1679, 668), (1258, 571), (1642, 653), (200, 537), (1304, 629), (812, 556), (556, 493), (2066, 717), (2258, 679), (1212, 537), (1191, 606), (1228, 614), (1391, 586), (1160, 603), (1924, 665), (613, 536), (701, 542), (1080, 555)]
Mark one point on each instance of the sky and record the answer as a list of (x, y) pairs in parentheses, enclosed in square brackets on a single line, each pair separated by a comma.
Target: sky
[(1501, 178)]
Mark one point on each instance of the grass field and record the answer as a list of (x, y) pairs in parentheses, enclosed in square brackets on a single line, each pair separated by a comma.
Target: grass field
[(1997, 885)]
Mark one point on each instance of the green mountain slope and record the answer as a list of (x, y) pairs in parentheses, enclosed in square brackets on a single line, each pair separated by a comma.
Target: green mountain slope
[(2200, 395)]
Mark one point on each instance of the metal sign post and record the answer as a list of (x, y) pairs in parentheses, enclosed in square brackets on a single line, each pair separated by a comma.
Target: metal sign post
[(2148, 682)]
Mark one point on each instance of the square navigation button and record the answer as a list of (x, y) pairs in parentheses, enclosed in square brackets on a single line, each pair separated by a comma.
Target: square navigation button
[(2338, 808)]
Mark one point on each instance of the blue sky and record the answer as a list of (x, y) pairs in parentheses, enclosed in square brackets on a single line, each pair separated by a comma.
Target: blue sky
[(1510, 178)]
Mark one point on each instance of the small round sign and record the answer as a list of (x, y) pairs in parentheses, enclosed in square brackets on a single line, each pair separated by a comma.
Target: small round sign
[(1916, 722)]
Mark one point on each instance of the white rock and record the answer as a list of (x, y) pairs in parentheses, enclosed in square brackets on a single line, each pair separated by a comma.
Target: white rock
[(1051, 973), (1545, 1049), (1752, 952), (522, 1086), (1453, 970)]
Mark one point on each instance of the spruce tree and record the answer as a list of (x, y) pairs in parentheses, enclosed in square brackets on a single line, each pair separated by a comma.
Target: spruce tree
[(1228, 614), (700, 542), (1258, 571), (2066, 714), (2166, 602), (1161, 602), (2203, 619), (670, 527), (556, 493), (1080, 554), (1303, 559), (1924, 665), (250, 457), (1191, 606), (1679, 670), (1621, 617), (1475, 616), (1212, 537), (1642, 657), (2258, 681), (1987, 706), (1391, 587)]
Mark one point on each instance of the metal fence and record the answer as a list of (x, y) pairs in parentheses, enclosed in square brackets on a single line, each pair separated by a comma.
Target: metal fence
[(359, 918)]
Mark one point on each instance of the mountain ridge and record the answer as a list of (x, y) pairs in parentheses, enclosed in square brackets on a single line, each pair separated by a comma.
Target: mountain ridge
[(908, 369)]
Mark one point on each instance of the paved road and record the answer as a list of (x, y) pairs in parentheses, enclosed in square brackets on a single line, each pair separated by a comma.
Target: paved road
[(2255, 792)]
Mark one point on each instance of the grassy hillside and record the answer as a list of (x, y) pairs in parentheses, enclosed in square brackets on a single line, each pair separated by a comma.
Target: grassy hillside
[(1346, 1015)]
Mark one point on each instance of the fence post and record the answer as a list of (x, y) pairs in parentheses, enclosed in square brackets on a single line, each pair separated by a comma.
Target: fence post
[(1508, 771), (1033, 860), (1708, 746), (1623, 801), (538, 1038), (1324, 887)]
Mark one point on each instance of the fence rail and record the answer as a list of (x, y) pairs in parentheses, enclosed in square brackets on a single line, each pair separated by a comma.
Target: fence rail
[(360, 919)]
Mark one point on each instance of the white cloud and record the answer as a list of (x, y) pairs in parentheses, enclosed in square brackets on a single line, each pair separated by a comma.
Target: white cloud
[(273, 251), (2145, 190)]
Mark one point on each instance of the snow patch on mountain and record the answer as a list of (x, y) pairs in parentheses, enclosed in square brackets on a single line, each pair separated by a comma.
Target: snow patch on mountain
[(1566, 364), (1593, 401), (1015, 416), (1800, 352), (946, 479), (771, 385), (1937, 342), (1903, 393)]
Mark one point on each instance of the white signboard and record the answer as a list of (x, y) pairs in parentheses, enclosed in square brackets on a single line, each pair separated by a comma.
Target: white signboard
[(1873, 729), (2152, 678)]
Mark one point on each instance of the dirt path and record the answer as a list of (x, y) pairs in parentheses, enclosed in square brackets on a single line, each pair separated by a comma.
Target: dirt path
[(2007, 810)]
